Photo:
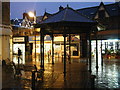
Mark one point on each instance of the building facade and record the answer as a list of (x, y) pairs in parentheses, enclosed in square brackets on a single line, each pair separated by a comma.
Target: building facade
[(5, 31), (107, 16)]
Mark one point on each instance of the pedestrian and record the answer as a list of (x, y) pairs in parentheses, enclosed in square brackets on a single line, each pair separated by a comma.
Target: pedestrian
[(19, 52)]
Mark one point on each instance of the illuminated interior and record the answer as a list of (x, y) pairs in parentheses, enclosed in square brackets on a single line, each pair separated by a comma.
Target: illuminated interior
[(111, 45), (15, 52)]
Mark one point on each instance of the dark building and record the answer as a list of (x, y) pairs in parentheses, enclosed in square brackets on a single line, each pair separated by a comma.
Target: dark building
[(107, 16)]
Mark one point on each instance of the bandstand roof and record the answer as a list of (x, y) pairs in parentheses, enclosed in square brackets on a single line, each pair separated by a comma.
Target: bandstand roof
[(67, 15), (67, 21)]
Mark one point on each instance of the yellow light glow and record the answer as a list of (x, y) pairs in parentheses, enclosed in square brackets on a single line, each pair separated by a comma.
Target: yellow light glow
[(31, 14), (37, 29)]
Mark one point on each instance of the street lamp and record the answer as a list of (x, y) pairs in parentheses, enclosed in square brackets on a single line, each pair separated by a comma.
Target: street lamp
[(32, 15)]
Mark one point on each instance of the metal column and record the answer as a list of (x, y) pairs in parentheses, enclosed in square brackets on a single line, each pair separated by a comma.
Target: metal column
[(41, 53), (87, 37), (90, 53), (35, 44), (69, 49), (64, 54), (80, 45), (52, 49), (105, 48), (42, 50), (96, 52), (101, 54)]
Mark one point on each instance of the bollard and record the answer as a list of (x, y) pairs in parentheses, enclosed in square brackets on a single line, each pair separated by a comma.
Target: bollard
[(92, 81), (48, 58), (62, 58), (33, 80), (35, 68), (40, 75), (58, 55)]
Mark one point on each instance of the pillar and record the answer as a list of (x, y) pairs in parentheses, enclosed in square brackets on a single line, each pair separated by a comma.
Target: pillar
[(89, 53), (96, 52), (64, 54), (41, 53), (87, 37), (80, 45), (42, 49), (69, 49), (35, 44), (107, 44), (117, 45), (101, 54), (105, 48), (83, 46), (52, 49)]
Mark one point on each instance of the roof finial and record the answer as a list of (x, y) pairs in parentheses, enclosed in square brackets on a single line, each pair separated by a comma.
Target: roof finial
[(67, 5), (60, 8), (101, 1)]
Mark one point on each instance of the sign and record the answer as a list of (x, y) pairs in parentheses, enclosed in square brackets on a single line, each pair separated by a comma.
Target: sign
[(19, 39), (32, 38)]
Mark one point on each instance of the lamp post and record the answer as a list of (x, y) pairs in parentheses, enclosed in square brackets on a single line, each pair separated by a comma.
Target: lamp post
[(32, 15)]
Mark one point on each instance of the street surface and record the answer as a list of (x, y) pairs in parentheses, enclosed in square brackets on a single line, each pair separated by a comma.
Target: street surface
[(77, 75)]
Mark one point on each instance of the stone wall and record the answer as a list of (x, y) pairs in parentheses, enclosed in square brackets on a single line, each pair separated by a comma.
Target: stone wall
[(6, 13), (5, 30)]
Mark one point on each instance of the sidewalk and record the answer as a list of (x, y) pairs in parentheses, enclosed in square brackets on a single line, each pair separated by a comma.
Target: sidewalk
[(108, 75), (77, 76)]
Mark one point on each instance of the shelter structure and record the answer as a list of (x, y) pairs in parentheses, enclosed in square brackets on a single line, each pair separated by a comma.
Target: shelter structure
[(67, 22)]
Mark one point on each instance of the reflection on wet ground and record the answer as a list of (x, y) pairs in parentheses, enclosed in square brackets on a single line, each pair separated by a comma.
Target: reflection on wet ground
[(77, 76), (108, 75)]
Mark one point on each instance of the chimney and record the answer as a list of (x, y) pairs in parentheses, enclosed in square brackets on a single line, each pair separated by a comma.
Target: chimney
[(61, 8), (25, 15)]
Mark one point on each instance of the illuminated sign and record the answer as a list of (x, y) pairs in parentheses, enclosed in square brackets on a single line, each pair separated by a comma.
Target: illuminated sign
[(18, 39)]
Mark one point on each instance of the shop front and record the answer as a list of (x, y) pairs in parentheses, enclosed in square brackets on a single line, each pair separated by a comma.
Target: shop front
[(58, 46), (110, 48), (34, 47), (20, 43)]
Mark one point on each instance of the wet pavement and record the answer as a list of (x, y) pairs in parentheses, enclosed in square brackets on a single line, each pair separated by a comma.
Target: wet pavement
[(108, 75), (77, 76)]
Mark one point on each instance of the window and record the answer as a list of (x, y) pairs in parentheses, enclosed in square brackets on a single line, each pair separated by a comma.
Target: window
[(101, 14)]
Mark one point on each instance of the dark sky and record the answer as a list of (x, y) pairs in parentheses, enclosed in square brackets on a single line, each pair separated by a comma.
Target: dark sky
[(18, 8)]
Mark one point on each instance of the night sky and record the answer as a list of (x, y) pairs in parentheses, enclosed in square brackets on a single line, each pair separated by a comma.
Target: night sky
[(18, 8)]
